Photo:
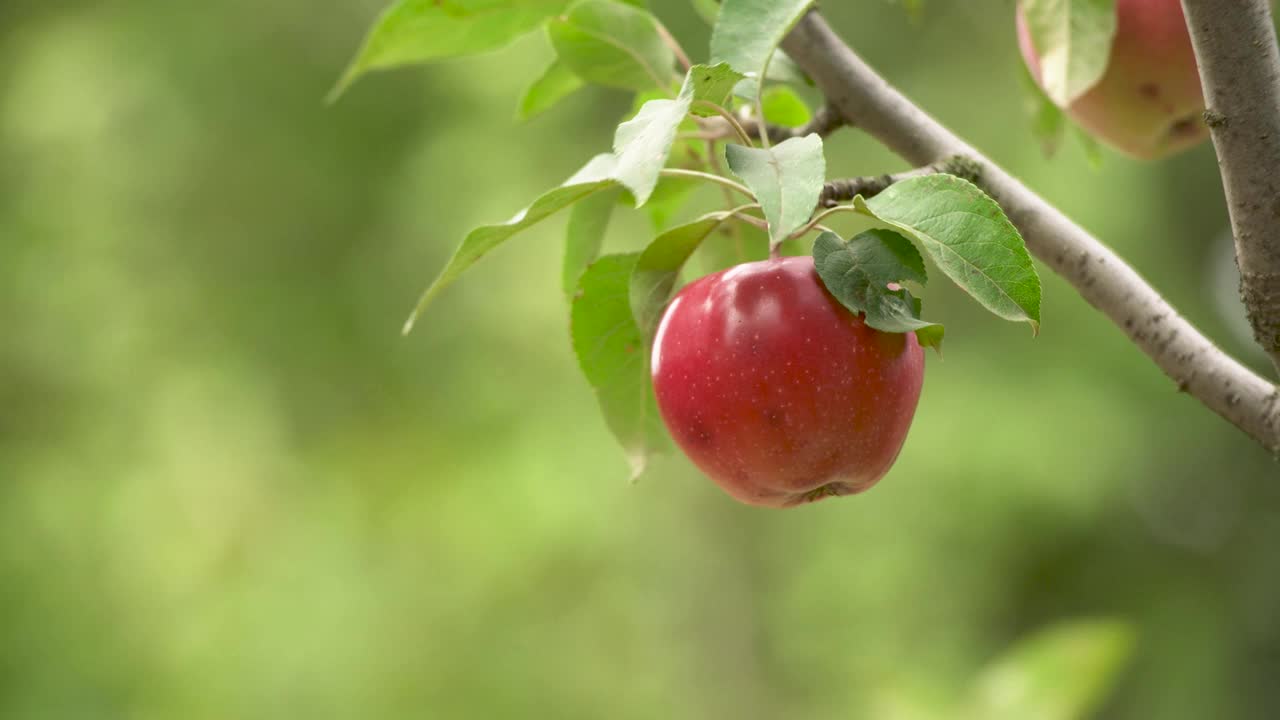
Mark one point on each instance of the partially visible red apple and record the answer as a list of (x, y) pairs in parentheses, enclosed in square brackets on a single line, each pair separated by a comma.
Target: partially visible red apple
[(1148, 103), (778, 392)]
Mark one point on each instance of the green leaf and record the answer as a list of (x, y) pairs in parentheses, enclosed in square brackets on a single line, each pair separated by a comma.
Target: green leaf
[(712, 84), (1061, 673), (594, 176), (859, 273), (556, 83), (786, 179), (733, 245), (1089, 144), (609, 43), (782, 106), (969, 238), (1048, 121), (708, 10), (1072, 39), (668, 197), (748, 32), (643, 143), (414, 31), (659, 265), (584, 235), (612, 354)]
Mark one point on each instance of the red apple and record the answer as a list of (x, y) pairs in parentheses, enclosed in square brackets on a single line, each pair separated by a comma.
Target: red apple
[(776, 391), (1148, 103)]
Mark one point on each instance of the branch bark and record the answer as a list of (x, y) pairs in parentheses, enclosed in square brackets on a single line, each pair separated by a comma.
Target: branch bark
[(1235, 43), (836, 191), (1102, 278)]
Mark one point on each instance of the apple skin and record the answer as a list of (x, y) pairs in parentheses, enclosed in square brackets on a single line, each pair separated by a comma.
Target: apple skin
[(1148, 103), (776, 391)]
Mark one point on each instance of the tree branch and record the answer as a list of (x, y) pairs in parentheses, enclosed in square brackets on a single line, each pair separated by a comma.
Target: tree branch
[(835, 191), (1235, 43), (1103, 279), (824, 122)]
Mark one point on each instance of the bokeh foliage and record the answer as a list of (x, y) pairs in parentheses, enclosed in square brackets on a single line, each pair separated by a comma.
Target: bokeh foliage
[(228, 488)]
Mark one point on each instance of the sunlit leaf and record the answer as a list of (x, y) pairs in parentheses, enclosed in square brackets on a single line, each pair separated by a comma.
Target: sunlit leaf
[(748, 32), (414, 31), (610, 43), (594, 176), (782, 106)]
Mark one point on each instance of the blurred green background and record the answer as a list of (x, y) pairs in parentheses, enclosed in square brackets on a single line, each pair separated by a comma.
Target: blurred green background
[(230, 489)]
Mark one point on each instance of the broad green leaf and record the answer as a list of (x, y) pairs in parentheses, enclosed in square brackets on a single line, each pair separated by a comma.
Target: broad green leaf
[(612, 354), (782, 106), (414, 31), (584, 235), (593, 177), (712, 84), (556, 83), (969, 238), (1048, 121), (1061, 673), (643, 143), (1072, 39), (748, 32), (609, 43), (786, 179), (859, 273), (659, 265), (667, 199), (733, 245)]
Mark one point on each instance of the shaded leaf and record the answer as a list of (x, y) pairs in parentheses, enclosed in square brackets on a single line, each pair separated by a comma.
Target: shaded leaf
[(748, 32), (413, 31), (613, 44), (594, 176), (1048, 121), (584, 234), (858, 273), (786, 179), (1072, 39), (556, 83), (612, 355), (969, 238), (660, 264), (1061, 673), (669, 196)]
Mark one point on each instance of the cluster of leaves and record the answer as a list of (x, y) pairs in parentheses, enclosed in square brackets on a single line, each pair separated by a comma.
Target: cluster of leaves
[(617, 300)]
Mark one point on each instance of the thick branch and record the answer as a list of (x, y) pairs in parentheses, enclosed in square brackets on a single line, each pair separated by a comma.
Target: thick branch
[(1098, 274), (1235, 44)]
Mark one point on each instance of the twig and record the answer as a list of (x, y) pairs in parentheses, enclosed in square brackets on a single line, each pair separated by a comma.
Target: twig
[(836, 191), (1199, 368), (824, 122), (1235, 43), (708, 177)]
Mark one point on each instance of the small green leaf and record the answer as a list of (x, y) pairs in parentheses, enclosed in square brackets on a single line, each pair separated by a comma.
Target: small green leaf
[(659, 265), (584, 234), (747, 32), (1048, 121), (968, 236), (786, 179), (594, 176), (668, 197), (643, 143), (859, 273), (1061, 673), (708, 10), (609, 43), (712, 84), (613, 357), (1072, 39), (782, 106), (414, 31), (555, 84)]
